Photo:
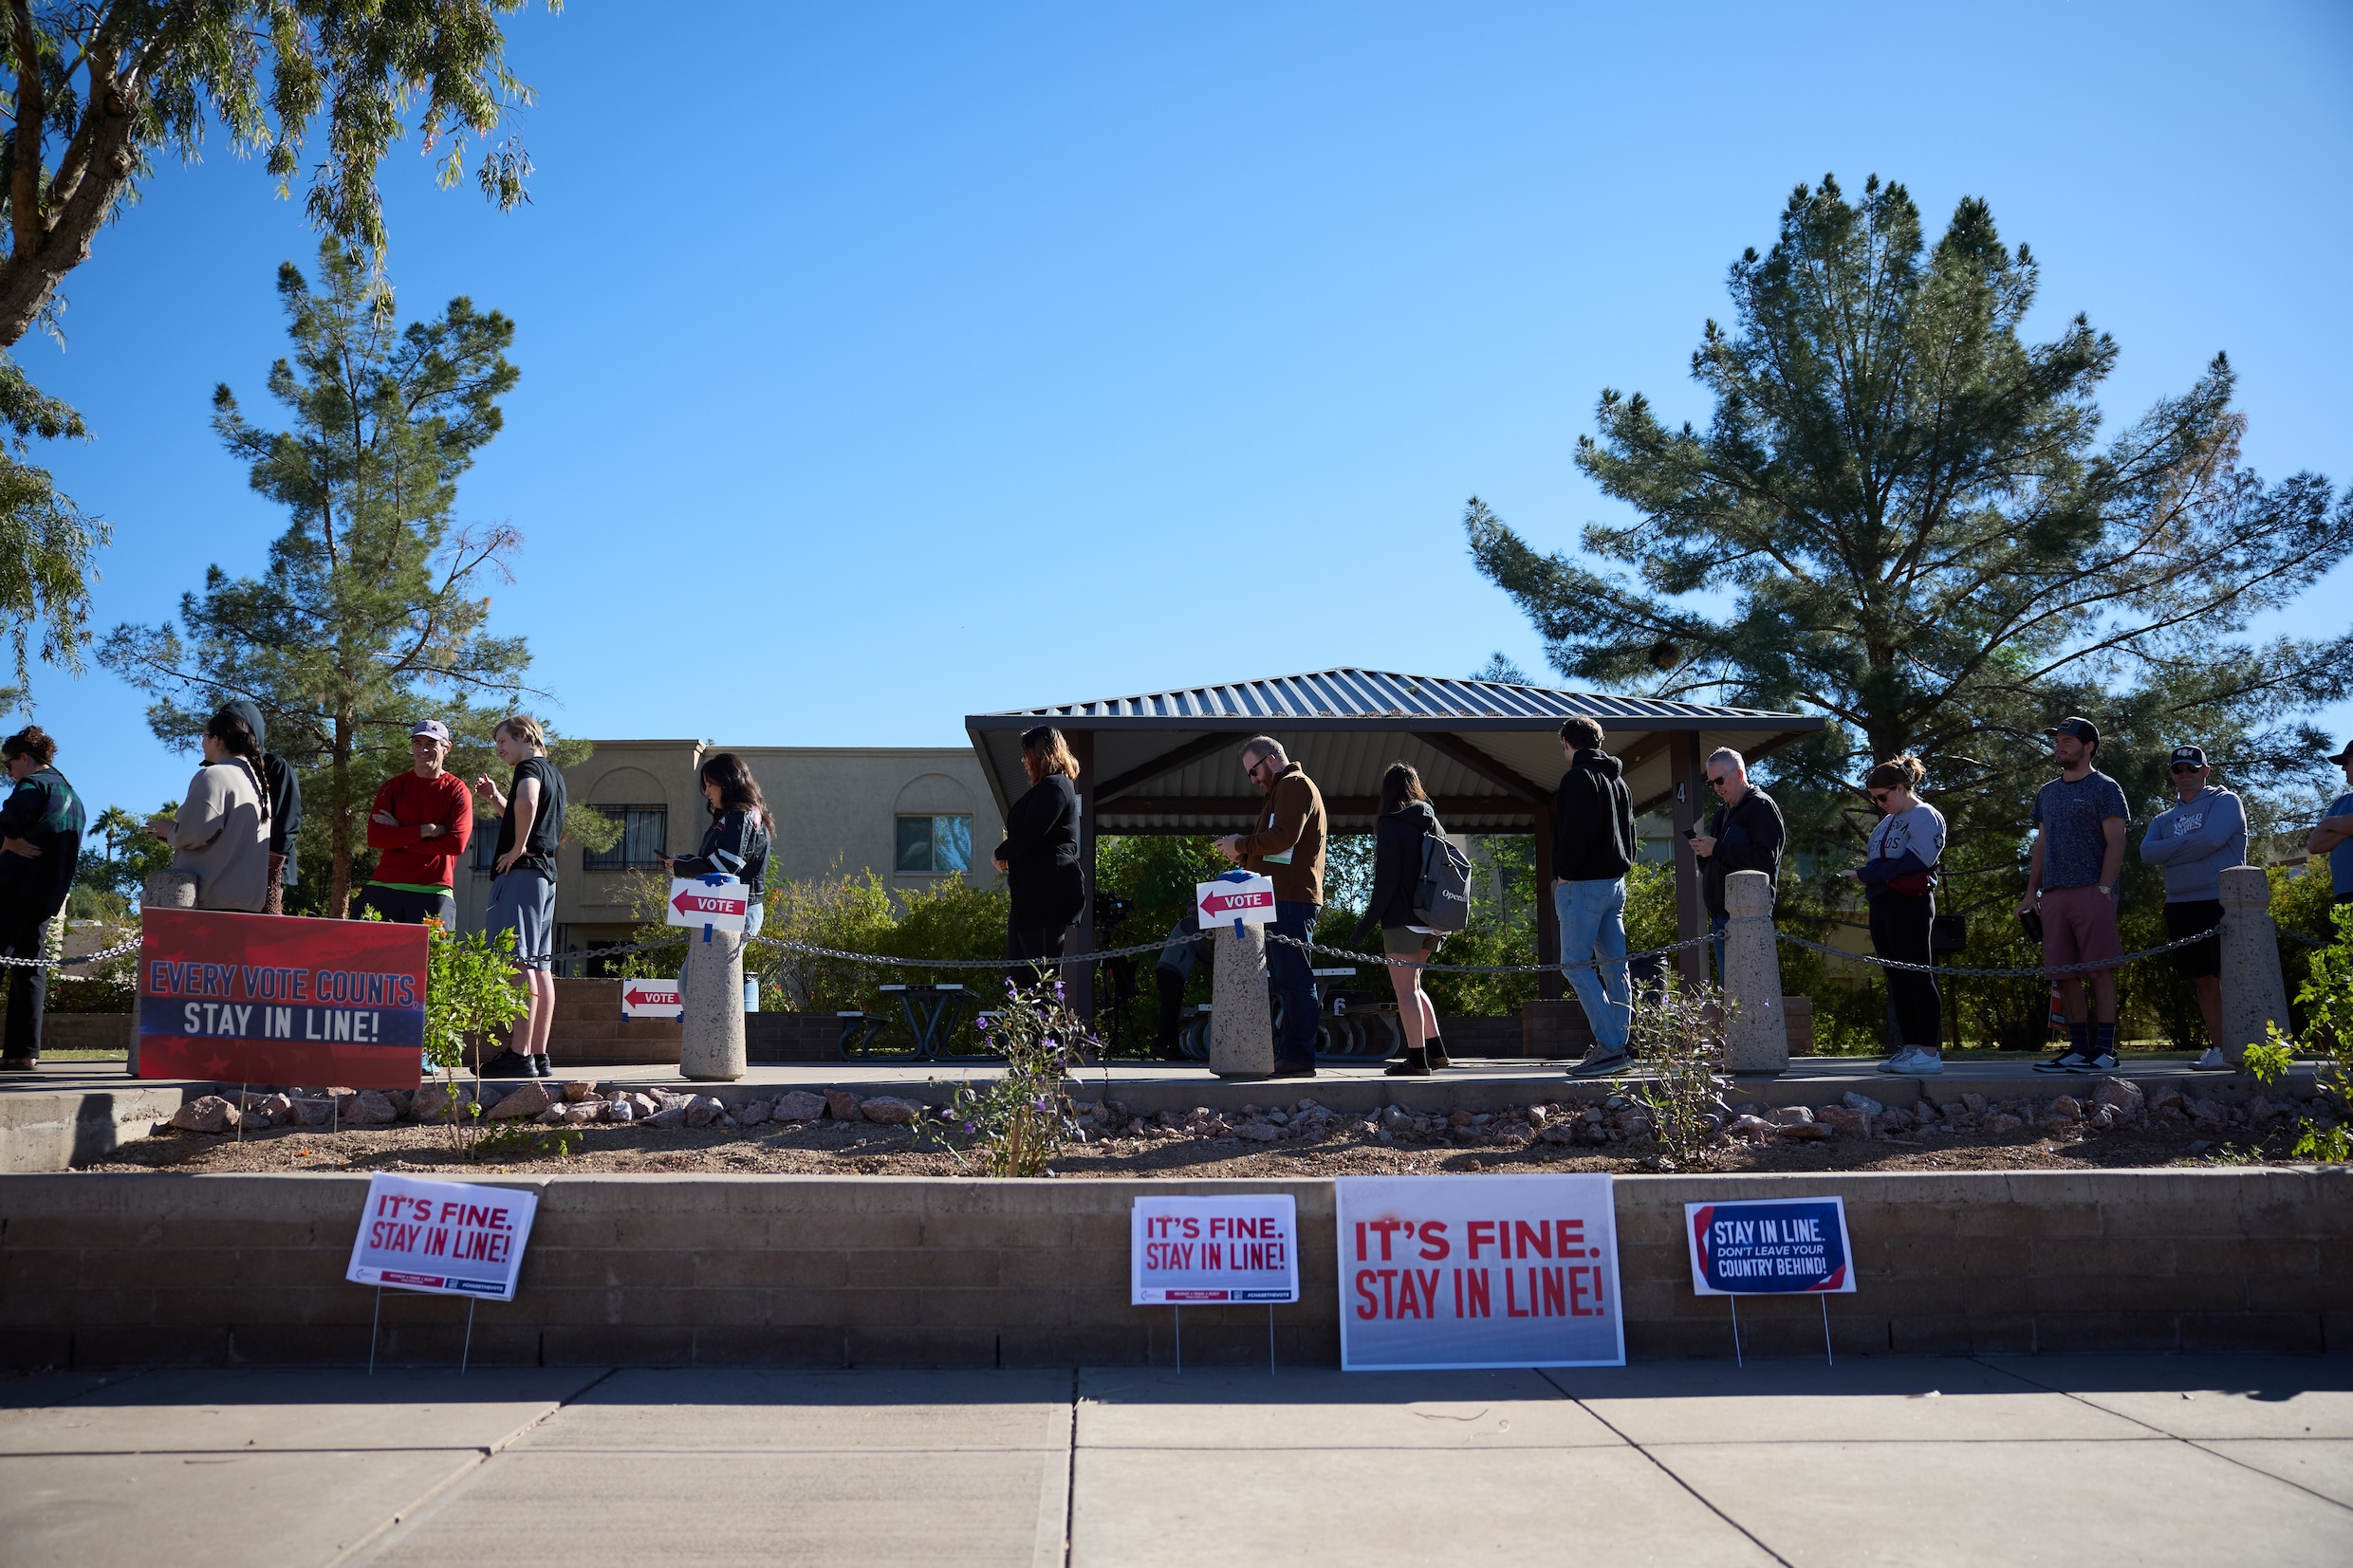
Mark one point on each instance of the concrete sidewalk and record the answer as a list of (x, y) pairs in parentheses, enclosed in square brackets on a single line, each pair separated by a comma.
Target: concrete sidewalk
[(2146, 1460)]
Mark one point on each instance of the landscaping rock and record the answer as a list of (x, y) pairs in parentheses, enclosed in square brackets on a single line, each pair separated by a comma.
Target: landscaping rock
[(843, 1105), (1849, 1121), (206, 1113), (576, 1090), (890, 1110), (2001, 1121), (752, 1115), (2065, 1108), (528, 1099), (312, 1110), (799, 1105), (278, 1110), (641, 1104), (2207, 1111), (2261, 1111), (1258, 1131), (2120, 1094), (1974, 1104), (701, 1111), (583, 1113), (2165, 1098), (1864, 1103), (1789, 1116), (667, 1120), (552, 1116), (622, 1110), (1748, 1127), (370, 1108), (1803, 1130)]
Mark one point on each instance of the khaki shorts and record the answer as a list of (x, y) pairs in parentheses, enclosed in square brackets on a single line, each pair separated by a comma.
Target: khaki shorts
[(1405, 942), (2079, 926)]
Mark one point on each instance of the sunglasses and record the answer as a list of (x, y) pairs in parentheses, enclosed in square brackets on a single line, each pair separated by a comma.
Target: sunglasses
[(1879, 795), (2189, 768), (1718, 784)]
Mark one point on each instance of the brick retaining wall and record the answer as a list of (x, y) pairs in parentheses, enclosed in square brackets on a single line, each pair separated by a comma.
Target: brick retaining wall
[(98, 1270)]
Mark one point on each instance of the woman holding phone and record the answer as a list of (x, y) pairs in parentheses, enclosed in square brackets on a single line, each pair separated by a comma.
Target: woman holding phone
[(1899, 878)]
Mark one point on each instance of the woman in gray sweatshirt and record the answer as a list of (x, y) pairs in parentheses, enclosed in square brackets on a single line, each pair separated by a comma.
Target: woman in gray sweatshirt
[(222, 831), (2195, 842)]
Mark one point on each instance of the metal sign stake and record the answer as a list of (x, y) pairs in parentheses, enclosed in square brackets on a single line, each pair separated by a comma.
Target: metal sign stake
[(1735, 1306), (1826, 1329), (374, 1324), (466, 1351)]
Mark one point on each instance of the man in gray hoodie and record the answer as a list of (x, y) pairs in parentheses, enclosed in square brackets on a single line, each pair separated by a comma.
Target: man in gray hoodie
[(2193, 842)]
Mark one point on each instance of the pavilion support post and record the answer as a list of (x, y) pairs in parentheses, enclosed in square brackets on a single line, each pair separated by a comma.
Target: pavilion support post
[(1548, 916), (1080, 983), (1690, 909)]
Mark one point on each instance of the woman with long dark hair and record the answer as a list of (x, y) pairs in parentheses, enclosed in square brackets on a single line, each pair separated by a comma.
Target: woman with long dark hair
[(1405, 821), (1039, 855), (736, 843), (221, 834), (41, 828), (1900, 880)]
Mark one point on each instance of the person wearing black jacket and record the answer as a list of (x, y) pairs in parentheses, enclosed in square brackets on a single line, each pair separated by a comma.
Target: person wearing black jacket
[(735, 844), (1592, 849), (1039, 855), (285, 805), (1405, 821), (1746, 833), (41, 829), (1187, 950)]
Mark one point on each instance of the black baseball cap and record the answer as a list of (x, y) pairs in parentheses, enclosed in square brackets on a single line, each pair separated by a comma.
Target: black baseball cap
[(2345, 756), (2195, 756), (2082, 729)]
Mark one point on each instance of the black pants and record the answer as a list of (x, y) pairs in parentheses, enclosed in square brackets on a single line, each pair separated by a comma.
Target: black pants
[(20, 937), (405, 907), (1171, 986), (1042, 944), (1900, 931)]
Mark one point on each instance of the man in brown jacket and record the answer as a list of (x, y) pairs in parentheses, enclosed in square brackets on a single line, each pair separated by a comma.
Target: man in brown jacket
[(1288, 848)]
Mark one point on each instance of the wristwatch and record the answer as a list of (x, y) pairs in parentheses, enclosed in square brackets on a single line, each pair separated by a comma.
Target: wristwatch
[(2103, 892)]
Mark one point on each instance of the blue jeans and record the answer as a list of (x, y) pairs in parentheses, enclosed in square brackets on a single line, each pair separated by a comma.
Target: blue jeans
[(1293, 980), (1716, 929), (1593, 925)]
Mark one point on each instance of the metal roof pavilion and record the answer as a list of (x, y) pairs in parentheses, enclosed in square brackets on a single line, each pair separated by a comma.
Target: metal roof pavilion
[(1489, 752)]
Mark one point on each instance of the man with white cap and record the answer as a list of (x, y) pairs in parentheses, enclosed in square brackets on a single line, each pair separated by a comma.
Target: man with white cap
[(419, 830), (2334, 836), (2196, 840)]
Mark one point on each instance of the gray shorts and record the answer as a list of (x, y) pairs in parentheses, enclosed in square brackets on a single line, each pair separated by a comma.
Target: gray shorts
[(525, 902)]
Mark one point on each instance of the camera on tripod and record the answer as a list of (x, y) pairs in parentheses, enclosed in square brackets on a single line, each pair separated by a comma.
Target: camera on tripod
[(1111, 909)]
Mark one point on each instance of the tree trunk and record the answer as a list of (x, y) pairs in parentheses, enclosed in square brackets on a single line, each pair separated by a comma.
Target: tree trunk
[(30, 276), (339, 826)]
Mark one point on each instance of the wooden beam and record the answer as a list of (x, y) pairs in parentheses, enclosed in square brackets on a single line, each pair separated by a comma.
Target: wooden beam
[(1690, 909), (1334, 805), (1644, 750), (1547, 914), (1499, 774), (1176, 757), (1081, 981)]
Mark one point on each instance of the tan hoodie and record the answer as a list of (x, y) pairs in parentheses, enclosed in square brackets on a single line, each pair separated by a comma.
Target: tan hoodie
[(221, 836)]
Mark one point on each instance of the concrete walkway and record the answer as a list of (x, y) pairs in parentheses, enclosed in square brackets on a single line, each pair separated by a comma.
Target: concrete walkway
[(2141, 1461)]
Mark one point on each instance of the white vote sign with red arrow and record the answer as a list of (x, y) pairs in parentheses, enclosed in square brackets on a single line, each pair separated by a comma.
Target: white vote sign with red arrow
[(1248, 900), (650, 998), (696, 903)]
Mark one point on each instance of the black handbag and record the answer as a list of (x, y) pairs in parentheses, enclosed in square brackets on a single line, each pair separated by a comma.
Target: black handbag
[(1948, 933)]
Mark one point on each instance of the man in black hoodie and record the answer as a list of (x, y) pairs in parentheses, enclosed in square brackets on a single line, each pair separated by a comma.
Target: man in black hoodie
[(285, 805), (1592, 849)]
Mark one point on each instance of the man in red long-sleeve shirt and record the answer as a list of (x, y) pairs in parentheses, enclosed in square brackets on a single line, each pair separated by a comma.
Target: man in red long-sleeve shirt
[(418, 829)]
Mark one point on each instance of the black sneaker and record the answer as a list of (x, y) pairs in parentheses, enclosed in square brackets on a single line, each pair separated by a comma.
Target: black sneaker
[(507, 1064), (2104, 1063), (1294, 1069), (540, 1066), (2069, 1061), (1599, 1062), (1416, 1064)]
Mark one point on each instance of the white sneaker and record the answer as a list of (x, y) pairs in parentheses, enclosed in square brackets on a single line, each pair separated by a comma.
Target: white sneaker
[(2213, 1062), (1914, 1062)]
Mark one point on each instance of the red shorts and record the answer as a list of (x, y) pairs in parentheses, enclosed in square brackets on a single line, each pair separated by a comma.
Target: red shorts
[(2079, 926)]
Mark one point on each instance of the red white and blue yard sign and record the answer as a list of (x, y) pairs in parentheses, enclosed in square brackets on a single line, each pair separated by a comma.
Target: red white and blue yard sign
[(1249, 898), (1782, 1246), (1190, 1251), (651, 999), (1478, 1271), (443, 1237), (276, 999)]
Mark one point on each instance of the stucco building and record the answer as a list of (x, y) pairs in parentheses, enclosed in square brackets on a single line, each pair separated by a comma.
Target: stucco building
[(911, 814)]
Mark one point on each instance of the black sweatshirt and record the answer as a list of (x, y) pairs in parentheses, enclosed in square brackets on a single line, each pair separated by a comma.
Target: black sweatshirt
[(1396, 866), (1748, 838), (1592, 820), (735, 844), (1041, 854)]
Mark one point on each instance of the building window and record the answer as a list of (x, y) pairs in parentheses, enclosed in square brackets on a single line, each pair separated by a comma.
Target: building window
[(929, 845), (644, 841), (485, 845)]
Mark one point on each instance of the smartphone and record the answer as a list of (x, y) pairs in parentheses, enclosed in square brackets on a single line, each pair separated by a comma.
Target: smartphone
[(1691, 833)]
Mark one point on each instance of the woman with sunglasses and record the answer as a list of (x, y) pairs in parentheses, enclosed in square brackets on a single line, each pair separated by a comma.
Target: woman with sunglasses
[(1900, 880)]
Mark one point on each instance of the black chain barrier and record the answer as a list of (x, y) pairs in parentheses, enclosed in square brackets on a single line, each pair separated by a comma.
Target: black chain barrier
[(1942, 971)]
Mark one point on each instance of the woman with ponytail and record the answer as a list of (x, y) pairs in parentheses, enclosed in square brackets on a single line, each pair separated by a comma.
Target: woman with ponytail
[(222, 832), (1900, 878)]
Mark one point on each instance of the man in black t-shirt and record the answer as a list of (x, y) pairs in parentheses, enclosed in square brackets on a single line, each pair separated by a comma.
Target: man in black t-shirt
[(522, 884)]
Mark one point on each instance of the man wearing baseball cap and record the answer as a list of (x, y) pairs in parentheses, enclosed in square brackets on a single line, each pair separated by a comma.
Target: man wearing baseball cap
[(2334, 836), (2196, 840), (2079, 853), (419, 830)]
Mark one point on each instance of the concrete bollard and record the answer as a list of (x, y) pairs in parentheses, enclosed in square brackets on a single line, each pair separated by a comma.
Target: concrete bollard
[(1758, 1039), (170, 890), (712, 1000), (2254, 993), (1241, 1024)]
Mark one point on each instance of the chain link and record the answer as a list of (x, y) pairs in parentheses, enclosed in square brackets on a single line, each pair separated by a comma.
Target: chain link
[(1943, 971), (1387, 962), (883, 962), (61, 963)]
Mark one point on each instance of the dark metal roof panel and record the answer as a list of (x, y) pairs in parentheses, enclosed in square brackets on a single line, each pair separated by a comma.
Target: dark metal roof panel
[(1380, 694)]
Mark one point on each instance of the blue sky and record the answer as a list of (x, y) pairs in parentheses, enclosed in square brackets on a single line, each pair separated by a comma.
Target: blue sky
[(883, 365)]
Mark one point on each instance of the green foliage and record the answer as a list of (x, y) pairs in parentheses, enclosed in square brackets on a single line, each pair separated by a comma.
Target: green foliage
[(1677, 1030), (371, 614), (1018, 1121), (1902, 515), (470, 993), (2325, 998)]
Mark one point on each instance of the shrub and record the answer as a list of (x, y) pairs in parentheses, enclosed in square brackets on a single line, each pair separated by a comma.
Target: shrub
[(1018, 1121)]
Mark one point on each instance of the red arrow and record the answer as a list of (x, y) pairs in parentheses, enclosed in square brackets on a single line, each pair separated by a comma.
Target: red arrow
[(638, 993), (692, 903), (1220, 904)]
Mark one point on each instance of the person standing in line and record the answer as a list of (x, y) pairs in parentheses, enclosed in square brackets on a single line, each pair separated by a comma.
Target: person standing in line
[(1289, 850), (421, 820), (2334, 836), (2195, 840), (1039, 854), (286, 804), (2072, 877), (221, 835), (1746, 834), (1898, 877), (523, 885), (1186, 949), (41, 829), (1405, 821), (736, 843), (1593, 848)]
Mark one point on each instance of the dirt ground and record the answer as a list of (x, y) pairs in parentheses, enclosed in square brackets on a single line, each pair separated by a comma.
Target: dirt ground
[(833, 1148)]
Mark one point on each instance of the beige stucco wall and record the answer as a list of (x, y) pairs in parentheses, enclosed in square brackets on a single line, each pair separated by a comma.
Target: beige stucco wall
[(834, 810)]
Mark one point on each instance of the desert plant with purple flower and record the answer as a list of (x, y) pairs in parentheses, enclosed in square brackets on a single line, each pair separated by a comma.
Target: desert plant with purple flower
[(1013, 1124)]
